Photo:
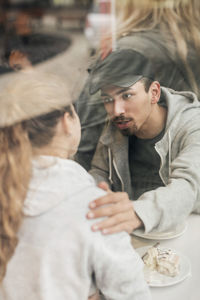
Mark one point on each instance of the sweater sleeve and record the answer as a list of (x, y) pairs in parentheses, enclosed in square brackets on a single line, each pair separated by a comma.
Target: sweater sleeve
[(167, 206), (118, 268)]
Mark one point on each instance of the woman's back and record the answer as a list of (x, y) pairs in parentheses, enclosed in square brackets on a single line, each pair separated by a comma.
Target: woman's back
[(57, 252)]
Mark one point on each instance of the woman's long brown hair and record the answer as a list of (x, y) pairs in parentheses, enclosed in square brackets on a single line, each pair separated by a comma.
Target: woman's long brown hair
[(15, 170)]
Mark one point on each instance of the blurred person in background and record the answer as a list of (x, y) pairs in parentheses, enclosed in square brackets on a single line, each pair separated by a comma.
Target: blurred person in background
[(166, 32), (47, 250), (19, 60)]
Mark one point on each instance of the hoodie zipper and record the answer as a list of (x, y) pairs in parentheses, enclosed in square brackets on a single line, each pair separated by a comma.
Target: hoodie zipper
[(116, 170), (115, 166)]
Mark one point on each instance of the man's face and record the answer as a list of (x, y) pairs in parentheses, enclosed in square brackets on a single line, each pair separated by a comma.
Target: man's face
[(129, 108)]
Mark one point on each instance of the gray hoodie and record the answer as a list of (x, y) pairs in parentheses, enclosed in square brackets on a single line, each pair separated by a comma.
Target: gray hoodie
[(179, 151), (58, 255)]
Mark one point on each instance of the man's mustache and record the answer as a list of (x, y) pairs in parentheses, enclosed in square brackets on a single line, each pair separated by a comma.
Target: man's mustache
[(121, 119)]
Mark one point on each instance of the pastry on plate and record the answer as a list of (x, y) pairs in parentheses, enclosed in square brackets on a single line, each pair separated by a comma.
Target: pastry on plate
[(162, 260)]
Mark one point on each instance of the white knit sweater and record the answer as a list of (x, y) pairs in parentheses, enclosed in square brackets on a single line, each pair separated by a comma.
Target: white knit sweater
[(57, 251)]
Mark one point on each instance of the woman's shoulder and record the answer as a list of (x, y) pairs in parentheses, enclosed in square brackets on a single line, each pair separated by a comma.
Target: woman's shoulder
[(56, 182)]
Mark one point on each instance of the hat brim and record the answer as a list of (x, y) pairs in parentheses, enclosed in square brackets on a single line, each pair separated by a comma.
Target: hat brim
[(126, 82)]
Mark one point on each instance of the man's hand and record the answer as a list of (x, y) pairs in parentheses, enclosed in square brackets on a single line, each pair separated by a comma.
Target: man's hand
[(119, 210), (94, 297)]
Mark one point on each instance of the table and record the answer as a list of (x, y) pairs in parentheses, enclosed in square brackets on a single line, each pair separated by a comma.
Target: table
[(189, 245)]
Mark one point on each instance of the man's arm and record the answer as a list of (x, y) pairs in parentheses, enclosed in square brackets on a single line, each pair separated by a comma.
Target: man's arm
[(164, 207)]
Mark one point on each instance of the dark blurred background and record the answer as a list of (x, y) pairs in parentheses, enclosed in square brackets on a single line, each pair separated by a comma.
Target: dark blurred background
[(23, 23), (52, 35)]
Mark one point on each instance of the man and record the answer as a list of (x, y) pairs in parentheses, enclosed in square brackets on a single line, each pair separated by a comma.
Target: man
[(149, 151)]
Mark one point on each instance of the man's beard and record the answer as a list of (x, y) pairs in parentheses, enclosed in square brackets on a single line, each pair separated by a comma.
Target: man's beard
[(127, 131)]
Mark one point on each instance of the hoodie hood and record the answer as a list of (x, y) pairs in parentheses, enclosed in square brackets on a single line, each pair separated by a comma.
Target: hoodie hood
[(53, 181), (177, 103)]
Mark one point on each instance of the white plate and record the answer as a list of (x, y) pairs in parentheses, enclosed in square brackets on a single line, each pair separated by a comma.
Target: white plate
[(155, 279), (179, 230)]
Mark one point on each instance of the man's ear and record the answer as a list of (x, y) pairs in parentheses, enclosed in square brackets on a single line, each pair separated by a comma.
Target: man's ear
[(155, 92), (66, 122)]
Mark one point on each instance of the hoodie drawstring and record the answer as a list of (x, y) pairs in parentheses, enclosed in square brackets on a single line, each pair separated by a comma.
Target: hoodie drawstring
[(110, 169), (170, 155), (110, 165)]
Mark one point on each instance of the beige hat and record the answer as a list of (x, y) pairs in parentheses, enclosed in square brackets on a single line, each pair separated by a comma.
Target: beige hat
[(30, 95)]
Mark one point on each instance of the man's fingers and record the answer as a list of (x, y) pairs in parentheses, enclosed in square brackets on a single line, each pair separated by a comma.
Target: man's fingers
[(110, 222), (94, 297), (108, 199), (110, 210), (125, 220), (116, 227), (104, 186)]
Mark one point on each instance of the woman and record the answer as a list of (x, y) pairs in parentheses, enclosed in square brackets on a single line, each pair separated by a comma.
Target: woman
[(167, 33), (47, 250)]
